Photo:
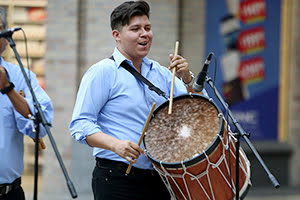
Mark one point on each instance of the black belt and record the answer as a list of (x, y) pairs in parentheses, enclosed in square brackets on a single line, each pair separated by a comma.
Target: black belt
[(6, 188), (121, 166)]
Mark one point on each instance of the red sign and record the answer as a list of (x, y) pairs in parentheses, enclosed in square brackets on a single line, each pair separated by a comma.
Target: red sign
[(252, 70), (251, 40), (252, 11), (37, 14)]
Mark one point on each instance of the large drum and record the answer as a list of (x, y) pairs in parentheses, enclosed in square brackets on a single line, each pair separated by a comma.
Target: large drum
[(194, 151)]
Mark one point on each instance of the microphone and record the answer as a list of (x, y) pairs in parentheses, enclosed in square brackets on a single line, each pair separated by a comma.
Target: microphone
[(199, 84), (9, 32)]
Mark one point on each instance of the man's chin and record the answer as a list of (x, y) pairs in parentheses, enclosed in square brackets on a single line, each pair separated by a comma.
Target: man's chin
[(144, 53)]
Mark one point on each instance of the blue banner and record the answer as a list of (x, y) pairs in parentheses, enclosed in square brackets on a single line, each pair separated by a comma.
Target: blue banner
[(244, 35)]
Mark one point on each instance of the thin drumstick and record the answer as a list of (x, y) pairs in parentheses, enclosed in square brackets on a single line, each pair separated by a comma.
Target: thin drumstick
[(143, 133), (41, 144), (173, 80)]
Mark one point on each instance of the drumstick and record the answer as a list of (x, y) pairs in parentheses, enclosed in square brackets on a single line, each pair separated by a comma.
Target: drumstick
[(143, 133), (41, 144), (173, 80)]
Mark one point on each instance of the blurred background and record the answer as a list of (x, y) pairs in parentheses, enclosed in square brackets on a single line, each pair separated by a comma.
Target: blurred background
[(255, 43)]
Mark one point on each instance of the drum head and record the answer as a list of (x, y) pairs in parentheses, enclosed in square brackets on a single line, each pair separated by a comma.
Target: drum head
[(184, 135)]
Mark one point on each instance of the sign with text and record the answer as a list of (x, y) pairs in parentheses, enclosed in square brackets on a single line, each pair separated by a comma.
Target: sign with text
[(245, 38)]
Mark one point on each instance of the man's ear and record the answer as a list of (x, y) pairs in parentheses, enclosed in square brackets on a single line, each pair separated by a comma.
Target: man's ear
[(116, 35)]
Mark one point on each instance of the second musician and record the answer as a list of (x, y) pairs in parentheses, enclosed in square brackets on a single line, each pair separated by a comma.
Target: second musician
[(112, 107)]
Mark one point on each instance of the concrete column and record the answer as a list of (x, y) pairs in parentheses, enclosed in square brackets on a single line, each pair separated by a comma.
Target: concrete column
[(294, 94), (60, 70), (193, 33)]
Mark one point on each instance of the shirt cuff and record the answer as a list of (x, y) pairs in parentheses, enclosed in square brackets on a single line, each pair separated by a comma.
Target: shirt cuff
[(80, 131)]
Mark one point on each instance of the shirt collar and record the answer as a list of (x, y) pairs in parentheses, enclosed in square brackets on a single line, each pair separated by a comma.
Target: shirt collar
[(119, 58)]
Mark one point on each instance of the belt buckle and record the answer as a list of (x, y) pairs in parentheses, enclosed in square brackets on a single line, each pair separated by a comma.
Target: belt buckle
[(8, 189), (5, 189)]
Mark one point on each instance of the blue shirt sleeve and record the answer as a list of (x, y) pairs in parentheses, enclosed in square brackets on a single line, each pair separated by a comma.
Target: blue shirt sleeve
[(24, 125), (90, 100)]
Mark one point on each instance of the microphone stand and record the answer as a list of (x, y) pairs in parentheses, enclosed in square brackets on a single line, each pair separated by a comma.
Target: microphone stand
[(40, 118), (241, 134)]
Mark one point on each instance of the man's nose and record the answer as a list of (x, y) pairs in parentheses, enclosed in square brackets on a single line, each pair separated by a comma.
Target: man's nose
[(144, 32)]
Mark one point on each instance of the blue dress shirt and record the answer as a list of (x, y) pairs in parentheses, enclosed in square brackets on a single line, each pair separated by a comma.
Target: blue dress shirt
[(111, 100), (13, 125)]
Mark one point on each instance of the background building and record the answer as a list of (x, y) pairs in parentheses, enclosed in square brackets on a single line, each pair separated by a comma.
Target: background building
[(77, 34)]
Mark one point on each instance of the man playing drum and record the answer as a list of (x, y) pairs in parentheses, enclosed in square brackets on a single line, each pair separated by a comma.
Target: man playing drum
[(112, 107)]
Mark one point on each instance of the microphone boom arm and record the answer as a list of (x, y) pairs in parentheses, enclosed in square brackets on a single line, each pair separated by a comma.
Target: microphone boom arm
[(244, 135)]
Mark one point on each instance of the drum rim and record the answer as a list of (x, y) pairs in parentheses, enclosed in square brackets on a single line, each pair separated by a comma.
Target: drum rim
[(201, 156)]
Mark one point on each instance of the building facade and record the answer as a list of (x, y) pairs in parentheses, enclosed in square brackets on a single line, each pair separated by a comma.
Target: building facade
[(78, 35)]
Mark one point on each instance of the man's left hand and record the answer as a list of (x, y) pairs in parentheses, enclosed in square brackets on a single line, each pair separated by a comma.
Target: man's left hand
[(182, 67)]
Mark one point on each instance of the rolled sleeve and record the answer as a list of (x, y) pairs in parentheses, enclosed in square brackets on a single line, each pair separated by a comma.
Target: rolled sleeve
[(81, 128), (25, 125)]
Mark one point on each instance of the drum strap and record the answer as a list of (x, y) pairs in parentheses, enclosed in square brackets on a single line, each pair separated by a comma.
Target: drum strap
[(137, 75)]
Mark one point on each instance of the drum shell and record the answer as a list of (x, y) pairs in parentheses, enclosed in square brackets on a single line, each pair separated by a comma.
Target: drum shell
[(208, 175)]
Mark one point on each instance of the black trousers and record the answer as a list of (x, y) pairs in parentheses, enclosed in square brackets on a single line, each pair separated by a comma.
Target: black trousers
[(109, 182), (16, 194)]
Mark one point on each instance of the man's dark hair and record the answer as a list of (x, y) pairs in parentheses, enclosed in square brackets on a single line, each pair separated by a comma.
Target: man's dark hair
[(124, 12)]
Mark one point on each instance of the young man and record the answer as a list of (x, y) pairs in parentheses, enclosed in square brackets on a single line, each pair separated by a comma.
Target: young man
[(14, 122), (112, 107)]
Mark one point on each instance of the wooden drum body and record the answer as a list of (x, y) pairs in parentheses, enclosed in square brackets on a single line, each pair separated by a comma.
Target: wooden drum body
[(194, 152)]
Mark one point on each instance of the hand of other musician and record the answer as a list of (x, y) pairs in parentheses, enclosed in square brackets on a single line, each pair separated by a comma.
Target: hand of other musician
[(3, 78)]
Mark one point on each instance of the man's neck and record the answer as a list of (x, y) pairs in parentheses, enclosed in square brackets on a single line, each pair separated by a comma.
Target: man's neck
[(137, 63)]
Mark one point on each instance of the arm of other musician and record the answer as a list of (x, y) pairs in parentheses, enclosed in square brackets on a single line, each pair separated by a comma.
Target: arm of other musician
[(16, 99), (44, 101), (24, 105), (19, 103)]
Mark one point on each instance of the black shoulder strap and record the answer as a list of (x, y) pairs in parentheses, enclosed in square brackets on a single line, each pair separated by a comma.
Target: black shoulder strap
[(152, 87)]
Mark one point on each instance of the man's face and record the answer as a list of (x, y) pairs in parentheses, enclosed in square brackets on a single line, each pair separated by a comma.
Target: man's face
[(3, 41), (134, 40)]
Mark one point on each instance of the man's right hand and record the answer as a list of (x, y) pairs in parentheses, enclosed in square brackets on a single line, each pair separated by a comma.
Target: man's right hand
[(128, 150), (124, 148)]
